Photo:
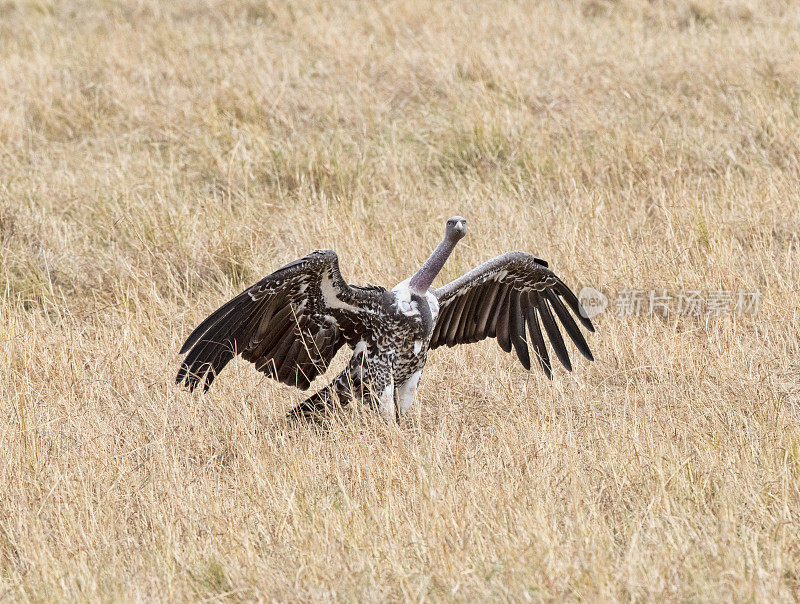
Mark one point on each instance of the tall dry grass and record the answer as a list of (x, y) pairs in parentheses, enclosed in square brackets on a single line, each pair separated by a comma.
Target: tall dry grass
[(155, 158)]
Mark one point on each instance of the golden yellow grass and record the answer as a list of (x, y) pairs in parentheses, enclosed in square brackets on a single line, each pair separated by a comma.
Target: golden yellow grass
[(155, 158)]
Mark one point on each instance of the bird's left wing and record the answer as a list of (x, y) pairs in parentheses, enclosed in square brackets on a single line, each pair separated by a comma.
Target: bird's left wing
[(499, 298), (286, 324)]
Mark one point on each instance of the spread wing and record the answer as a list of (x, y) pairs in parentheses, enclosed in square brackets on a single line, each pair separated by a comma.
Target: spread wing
[(286, 324), (499, 298)]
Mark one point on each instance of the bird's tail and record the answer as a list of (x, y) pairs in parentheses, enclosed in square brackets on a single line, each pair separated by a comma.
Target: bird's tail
[(336, 395), (321, 404)]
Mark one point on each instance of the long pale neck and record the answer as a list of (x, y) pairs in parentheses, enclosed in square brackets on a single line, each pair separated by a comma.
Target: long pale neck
[(425, 276)]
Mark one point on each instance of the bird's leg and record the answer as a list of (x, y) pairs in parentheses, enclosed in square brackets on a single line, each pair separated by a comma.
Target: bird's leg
[(385, 397), (407, 393), (380, 390)]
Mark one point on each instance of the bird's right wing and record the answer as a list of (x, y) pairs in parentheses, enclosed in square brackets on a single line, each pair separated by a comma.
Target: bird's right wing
[(499, 297), (285, 324)]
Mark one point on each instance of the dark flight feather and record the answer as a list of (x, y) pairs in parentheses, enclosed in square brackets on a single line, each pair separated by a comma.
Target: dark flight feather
[(535, 332), (499, 298), (517, 330), (553, 332), (272, 323)]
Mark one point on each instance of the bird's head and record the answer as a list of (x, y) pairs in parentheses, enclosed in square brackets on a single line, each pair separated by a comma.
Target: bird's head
[(456, 228)]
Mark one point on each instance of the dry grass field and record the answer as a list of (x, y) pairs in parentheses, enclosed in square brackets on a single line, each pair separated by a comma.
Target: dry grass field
[(156, 158)]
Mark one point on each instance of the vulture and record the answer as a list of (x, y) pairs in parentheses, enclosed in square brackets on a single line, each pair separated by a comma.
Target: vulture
[(291, 324)]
